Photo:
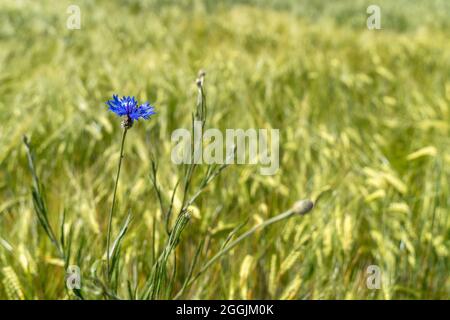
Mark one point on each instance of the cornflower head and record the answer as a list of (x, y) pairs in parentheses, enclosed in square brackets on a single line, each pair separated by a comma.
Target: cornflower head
[(128, 107)]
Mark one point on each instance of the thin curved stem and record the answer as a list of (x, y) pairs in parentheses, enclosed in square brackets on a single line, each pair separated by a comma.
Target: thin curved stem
[(300, 208), (108, 238)]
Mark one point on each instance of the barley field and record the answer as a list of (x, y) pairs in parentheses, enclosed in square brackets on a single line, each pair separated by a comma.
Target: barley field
[(364, 123)]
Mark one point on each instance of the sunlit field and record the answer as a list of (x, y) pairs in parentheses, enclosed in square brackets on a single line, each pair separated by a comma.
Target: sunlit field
[(364, 123)]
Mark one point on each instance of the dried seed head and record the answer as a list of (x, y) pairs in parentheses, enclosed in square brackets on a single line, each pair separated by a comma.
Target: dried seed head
[(302, 207), (201, 73), (201, 78), (199, 82)]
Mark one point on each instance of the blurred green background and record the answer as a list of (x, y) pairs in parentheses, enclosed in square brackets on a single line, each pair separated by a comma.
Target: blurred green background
[(364, 123)]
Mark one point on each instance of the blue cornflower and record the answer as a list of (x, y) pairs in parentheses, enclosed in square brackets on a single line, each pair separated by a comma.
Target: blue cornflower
[(128, 106)]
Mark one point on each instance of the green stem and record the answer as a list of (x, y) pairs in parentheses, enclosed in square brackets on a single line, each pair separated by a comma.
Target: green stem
[(108, 239), (300, 208)]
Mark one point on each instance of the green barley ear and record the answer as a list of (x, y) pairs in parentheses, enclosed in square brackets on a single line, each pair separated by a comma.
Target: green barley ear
[(12, 284)]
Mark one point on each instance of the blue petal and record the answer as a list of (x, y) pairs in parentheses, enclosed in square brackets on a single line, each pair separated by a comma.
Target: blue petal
[(128, 106), (115, 106), (146, 110)]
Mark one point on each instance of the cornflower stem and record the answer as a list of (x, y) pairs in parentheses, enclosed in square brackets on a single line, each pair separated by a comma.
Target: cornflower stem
[(108, 237)]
